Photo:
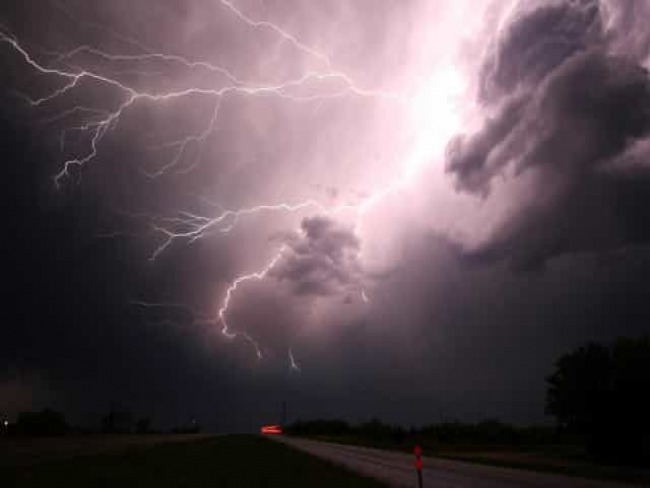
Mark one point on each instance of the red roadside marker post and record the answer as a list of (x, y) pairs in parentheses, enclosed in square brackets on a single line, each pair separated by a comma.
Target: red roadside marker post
[(418, 463)]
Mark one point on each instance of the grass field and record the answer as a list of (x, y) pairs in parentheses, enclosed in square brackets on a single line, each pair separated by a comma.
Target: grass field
[(543, 462), (240, 461)]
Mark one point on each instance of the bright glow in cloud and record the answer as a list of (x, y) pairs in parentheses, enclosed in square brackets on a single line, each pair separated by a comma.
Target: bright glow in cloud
[(336, 146), (437, 116)]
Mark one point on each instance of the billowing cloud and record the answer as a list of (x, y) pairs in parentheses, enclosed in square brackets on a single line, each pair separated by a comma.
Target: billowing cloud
[(626, 29), (537, 42), (568, 111), (322, 260)]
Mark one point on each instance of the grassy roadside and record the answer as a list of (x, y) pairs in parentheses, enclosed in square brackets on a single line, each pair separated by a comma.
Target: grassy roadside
[(218, 461), (541, 463), (529, 458)]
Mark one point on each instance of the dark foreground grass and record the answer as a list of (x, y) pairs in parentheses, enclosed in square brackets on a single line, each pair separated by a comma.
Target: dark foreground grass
[(240, 461)]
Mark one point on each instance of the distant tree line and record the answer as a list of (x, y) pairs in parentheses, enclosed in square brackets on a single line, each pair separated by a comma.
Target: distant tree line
[(46, 422), (490, 432), (122, 421), (49, 423), (599, 394)]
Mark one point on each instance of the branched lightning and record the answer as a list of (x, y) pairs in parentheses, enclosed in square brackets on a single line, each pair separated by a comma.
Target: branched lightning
[(188, 226), (97, 129), (221, 314)]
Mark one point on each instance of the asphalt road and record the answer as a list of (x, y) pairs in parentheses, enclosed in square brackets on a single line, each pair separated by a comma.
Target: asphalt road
[(397, 469)]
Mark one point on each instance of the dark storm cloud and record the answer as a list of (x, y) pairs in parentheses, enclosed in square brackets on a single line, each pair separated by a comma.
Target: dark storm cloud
[(321, 261), (628, 31), (587, 112), (575, 113), (469, 157), (537, 43)]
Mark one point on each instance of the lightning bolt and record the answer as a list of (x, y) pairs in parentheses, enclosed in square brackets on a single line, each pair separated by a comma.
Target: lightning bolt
[(97, 122), (97, 129), (278, 30), (195, 227), (221, 314), (293, 365), (364, 297)]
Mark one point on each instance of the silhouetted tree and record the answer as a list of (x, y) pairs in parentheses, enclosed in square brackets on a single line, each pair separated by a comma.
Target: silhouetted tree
[(602, 393)]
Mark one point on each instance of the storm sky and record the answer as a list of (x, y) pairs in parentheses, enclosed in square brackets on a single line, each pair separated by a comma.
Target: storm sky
[(373, 208)]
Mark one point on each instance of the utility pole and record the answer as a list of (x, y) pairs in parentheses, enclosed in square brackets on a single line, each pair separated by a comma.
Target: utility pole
[(284, 413)]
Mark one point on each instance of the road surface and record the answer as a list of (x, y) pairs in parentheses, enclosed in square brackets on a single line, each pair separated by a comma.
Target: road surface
[(397, 469)]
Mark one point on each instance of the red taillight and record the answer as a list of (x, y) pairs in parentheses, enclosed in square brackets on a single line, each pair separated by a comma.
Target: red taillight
[(271, 429)]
